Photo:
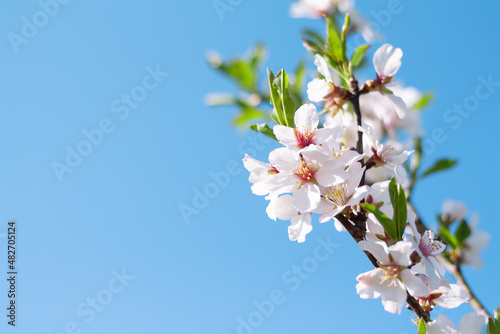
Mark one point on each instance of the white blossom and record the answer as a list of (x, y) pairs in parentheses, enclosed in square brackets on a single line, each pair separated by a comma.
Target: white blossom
[(392, 279), (471, 323)]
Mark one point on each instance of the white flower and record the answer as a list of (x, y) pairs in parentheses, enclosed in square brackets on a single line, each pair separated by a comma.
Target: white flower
[(324, 89), (447, 296), (312, 9), (282, 208), (319, 88), (427, 247), (379, 193), (387, 61), (303, 172), (345, 120), (453, 210), (306, 130), (476, 242), (340, 196), (471, 323), (262, 175), (384, 156), (392, 278), (380, 113)]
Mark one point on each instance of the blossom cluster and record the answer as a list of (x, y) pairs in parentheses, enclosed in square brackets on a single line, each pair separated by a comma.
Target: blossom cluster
[(318, 170)]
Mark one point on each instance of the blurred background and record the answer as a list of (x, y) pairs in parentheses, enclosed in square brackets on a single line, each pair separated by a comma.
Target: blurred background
[(134, 213)]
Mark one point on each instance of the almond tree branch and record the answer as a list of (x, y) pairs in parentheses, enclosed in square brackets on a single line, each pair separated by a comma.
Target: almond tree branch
[(455, 269), (356, 225)]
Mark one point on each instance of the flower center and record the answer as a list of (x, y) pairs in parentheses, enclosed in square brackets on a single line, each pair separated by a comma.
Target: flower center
[(304, 171), (337, 195), (391, 273), (382, 156), (430, 247), (304, 138), (336, 154)]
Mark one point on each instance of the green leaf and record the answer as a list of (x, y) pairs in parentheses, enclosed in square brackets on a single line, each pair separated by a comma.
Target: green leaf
[(313, 47), (343, 34), (398, 201), (417, 157), (275, 98), (313, 36), (440, 165), (257, 57), (334, 44), (393, 191), (281, 82), (492, 327), (462, 233), (359, 55), (242, 72), (441, 222), (300, 78), (264, 129), (402, 212), (248, 115), (421, 327), (448, 238), (274, 116), (424, 102), (386, 222)]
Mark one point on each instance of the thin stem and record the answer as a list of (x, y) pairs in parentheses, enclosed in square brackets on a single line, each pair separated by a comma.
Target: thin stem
[(357, 113), (474, 301), (416, 308)]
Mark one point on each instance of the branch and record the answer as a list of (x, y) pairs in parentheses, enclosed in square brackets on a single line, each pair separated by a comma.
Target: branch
[(357, 113), (455, 269), (357, 228)]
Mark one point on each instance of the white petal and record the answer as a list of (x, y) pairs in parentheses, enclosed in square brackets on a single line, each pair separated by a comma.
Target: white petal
[(300, 227), (471, 323), (307, 198), (329, 215), (338, 225), (281, 207), (394, 302), (285, 135), (284, 160), (367, 283), (317, 89), (416, 287), (300, 9), (320, 62), (440, 325), (377, 250), (358, 195), (452, 296), (399, 105), (400, 174), (387, 60), (306, 117), (453, 210)]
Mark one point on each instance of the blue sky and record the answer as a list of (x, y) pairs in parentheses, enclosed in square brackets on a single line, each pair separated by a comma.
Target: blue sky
[(102, 245)]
